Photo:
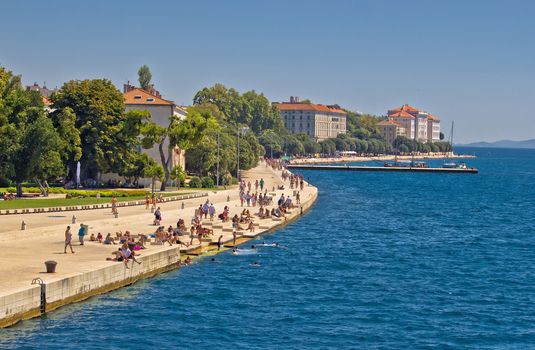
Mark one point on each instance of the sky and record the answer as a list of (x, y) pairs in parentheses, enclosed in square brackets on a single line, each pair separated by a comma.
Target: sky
[(468, 61)]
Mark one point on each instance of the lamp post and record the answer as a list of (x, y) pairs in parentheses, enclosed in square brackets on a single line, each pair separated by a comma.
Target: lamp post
[(217, 169)]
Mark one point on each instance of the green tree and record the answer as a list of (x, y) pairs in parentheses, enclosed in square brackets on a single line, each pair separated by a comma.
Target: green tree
[(155, 172), (182, 133), (178, 175), (105, 139), (144, 77)]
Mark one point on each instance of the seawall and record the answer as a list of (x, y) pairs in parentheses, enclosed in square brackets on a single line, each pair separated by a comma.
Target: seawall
[(98, 278), (41, 298)]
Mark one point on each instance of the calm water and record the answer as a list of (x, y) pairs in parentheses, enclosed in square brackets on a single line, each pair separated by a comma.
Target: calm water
[(384, 260)]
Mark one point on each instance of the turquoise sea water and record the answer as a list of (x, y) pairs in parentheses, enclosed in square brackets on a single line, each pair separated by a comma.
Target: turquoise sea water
[(382, 261)]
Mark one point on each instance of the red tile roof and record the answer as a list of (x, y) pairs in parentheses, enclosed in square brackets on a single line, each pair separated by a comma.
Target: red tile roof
[(139, 96), (400, 114), (308, 107)]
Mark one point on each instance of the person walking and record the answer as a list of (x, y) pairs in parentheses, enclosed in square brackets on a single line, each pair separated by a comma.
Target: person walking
[(261, 184), (81, 234), (147, 201), (256, 184), (211, 211), (68, 240)]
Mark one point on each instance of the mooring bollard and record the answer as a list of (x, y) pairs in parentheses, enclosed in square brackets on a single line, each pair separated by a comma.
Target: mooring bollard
[(23, 226), (182, 205), (74, 219), (116, 214), (228, 198), (152, 210)]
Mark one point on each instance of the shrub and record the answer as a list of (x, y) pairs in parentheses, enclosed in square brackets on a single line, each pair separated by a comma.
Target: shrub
[(4, 182), (195, 182), (84, 193), (207, 182)]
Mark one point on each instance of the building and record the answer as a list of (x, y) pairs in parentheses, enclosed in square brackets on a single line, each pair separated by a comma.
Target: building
[(43, 91), (390, 130), (162, 111), (419, 125), (317, 121)]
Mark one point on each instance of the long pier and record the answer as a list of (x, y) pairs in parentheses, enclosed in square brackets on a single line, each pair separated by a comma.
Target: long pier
[(384, 169)]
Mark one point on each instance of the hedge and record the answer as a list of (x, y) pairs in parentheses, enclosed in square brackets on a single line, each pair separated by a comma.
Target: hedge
[(83, 193)]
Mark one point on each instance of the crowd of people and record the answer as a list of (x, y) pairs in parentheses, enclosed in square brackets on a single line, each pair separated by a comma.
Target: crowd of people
[(252, 194)]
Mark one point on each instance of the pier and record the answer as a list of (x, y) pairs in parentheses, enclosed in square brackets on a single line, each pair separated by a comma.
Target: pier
[(384, 169)]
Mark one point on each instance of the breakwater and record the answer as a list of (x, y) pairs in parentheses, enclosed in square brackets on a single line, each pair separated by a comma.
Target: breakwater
[(384, 169)]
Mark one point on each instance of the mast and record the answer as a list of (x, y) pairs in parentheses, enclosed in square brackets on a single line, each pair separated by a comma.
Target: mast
[(451, 138)]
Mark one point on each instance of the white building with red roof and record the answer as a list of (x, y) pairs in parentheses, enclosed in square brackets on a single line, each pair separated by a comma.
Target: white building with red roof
[(162, 111), (318, 121), (419, 125)]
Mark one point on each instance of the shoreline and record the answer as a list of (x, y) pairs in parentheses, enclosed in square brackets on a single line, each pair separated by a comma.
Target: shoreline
[(53, 291), (377, 158)]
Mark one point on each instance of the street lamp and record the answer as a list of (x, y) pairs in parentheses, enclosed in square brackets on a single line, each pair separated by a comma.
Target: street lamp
[(217, 169)]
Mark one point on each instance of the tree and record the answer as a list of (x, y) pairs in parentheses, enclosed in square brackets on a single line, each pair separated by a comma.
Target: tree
[(155, 172), (144, 77), (30, 146), (136, 167), (106, 136), (182, 133), (441, 136), (178, 175)]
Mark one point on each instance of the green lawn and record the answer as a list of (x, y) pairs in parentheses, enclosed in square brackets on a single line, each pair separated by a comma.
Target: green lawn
[(62, 202)]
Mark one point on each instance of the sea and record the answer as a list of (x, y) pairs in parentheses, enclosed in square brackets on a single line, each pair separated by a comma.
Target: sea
[(382, 261)]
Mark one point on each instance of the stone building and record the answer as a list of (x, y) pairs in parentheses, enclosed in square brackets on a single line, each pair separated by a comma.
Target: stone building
[(316, 120)]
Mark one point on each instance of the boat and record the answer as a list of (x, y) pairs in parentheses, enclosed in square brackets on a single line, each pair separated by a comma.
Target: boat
[(406, 164), (455, 165), (450, 164)]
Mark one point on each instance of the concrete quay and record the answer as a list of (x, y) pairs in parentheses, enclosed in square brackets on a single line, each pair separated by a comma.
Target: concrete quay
[(87, 272)]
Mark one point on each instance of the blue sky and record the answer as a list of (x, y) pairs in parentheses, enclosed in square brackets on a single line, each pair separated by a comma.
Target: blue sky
[(468, 61)]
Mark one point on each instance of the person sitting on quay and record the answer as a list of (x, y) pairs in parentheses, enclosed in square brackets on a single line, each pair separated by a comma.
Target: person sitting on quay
[(92, 238), (160, 198), (250, 227), (236, 223), (109, 239), (224, 216), (125, 254)]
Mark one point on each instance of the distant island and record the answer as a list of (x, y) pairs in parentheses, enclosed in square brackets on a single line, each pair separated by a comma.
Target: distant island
[(502, 144)]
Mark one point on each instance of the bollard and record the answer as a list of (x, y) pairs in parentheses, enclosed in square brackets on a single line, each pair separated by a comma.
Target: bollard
[(23, 226), (273, 189), (228, 198), (152, 210), (116, 214), (182, 205), (74, 219)]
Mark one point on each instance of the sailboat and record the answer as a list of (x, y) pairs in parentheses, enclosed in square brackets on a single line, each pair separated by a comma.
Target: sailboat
[(452, 164)]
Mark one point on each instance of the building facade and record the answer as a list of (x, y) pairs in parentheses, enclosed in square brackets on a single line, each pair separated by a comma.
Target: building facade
[(318, 121), (390, 130), (162, 111), (419, 125)]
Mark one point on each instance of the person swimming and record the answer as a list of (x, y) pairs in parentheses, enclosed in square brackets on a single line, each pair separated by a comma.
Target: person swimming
[(255, 264)]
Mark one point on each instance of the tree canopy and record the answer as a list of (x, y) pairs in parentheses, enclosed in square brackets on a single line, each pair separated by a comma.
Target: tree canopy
[(144, 77)]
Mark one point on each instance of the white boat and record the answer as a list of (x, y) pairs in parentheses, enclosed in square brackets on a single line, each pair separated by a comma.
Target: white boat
[(452, 164)]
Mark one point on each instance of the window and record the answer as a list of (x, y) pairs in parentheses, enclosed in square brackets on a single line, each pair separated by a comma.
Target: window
[(150, 99), (137, 97)]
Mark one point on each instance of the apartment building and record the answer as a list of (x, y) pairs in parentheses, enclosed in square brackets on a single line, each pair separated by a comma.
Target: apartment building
[(318, 121)]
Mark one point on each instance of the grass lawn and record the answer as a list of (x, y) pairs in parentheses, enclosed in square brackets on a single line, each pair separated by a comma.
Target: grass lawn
[(62, 202)]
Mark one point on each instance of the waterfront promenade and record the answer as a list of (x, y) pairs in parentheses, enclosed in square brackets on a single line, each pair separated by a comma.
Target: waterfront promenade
[(352, 159), (24, 252)]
